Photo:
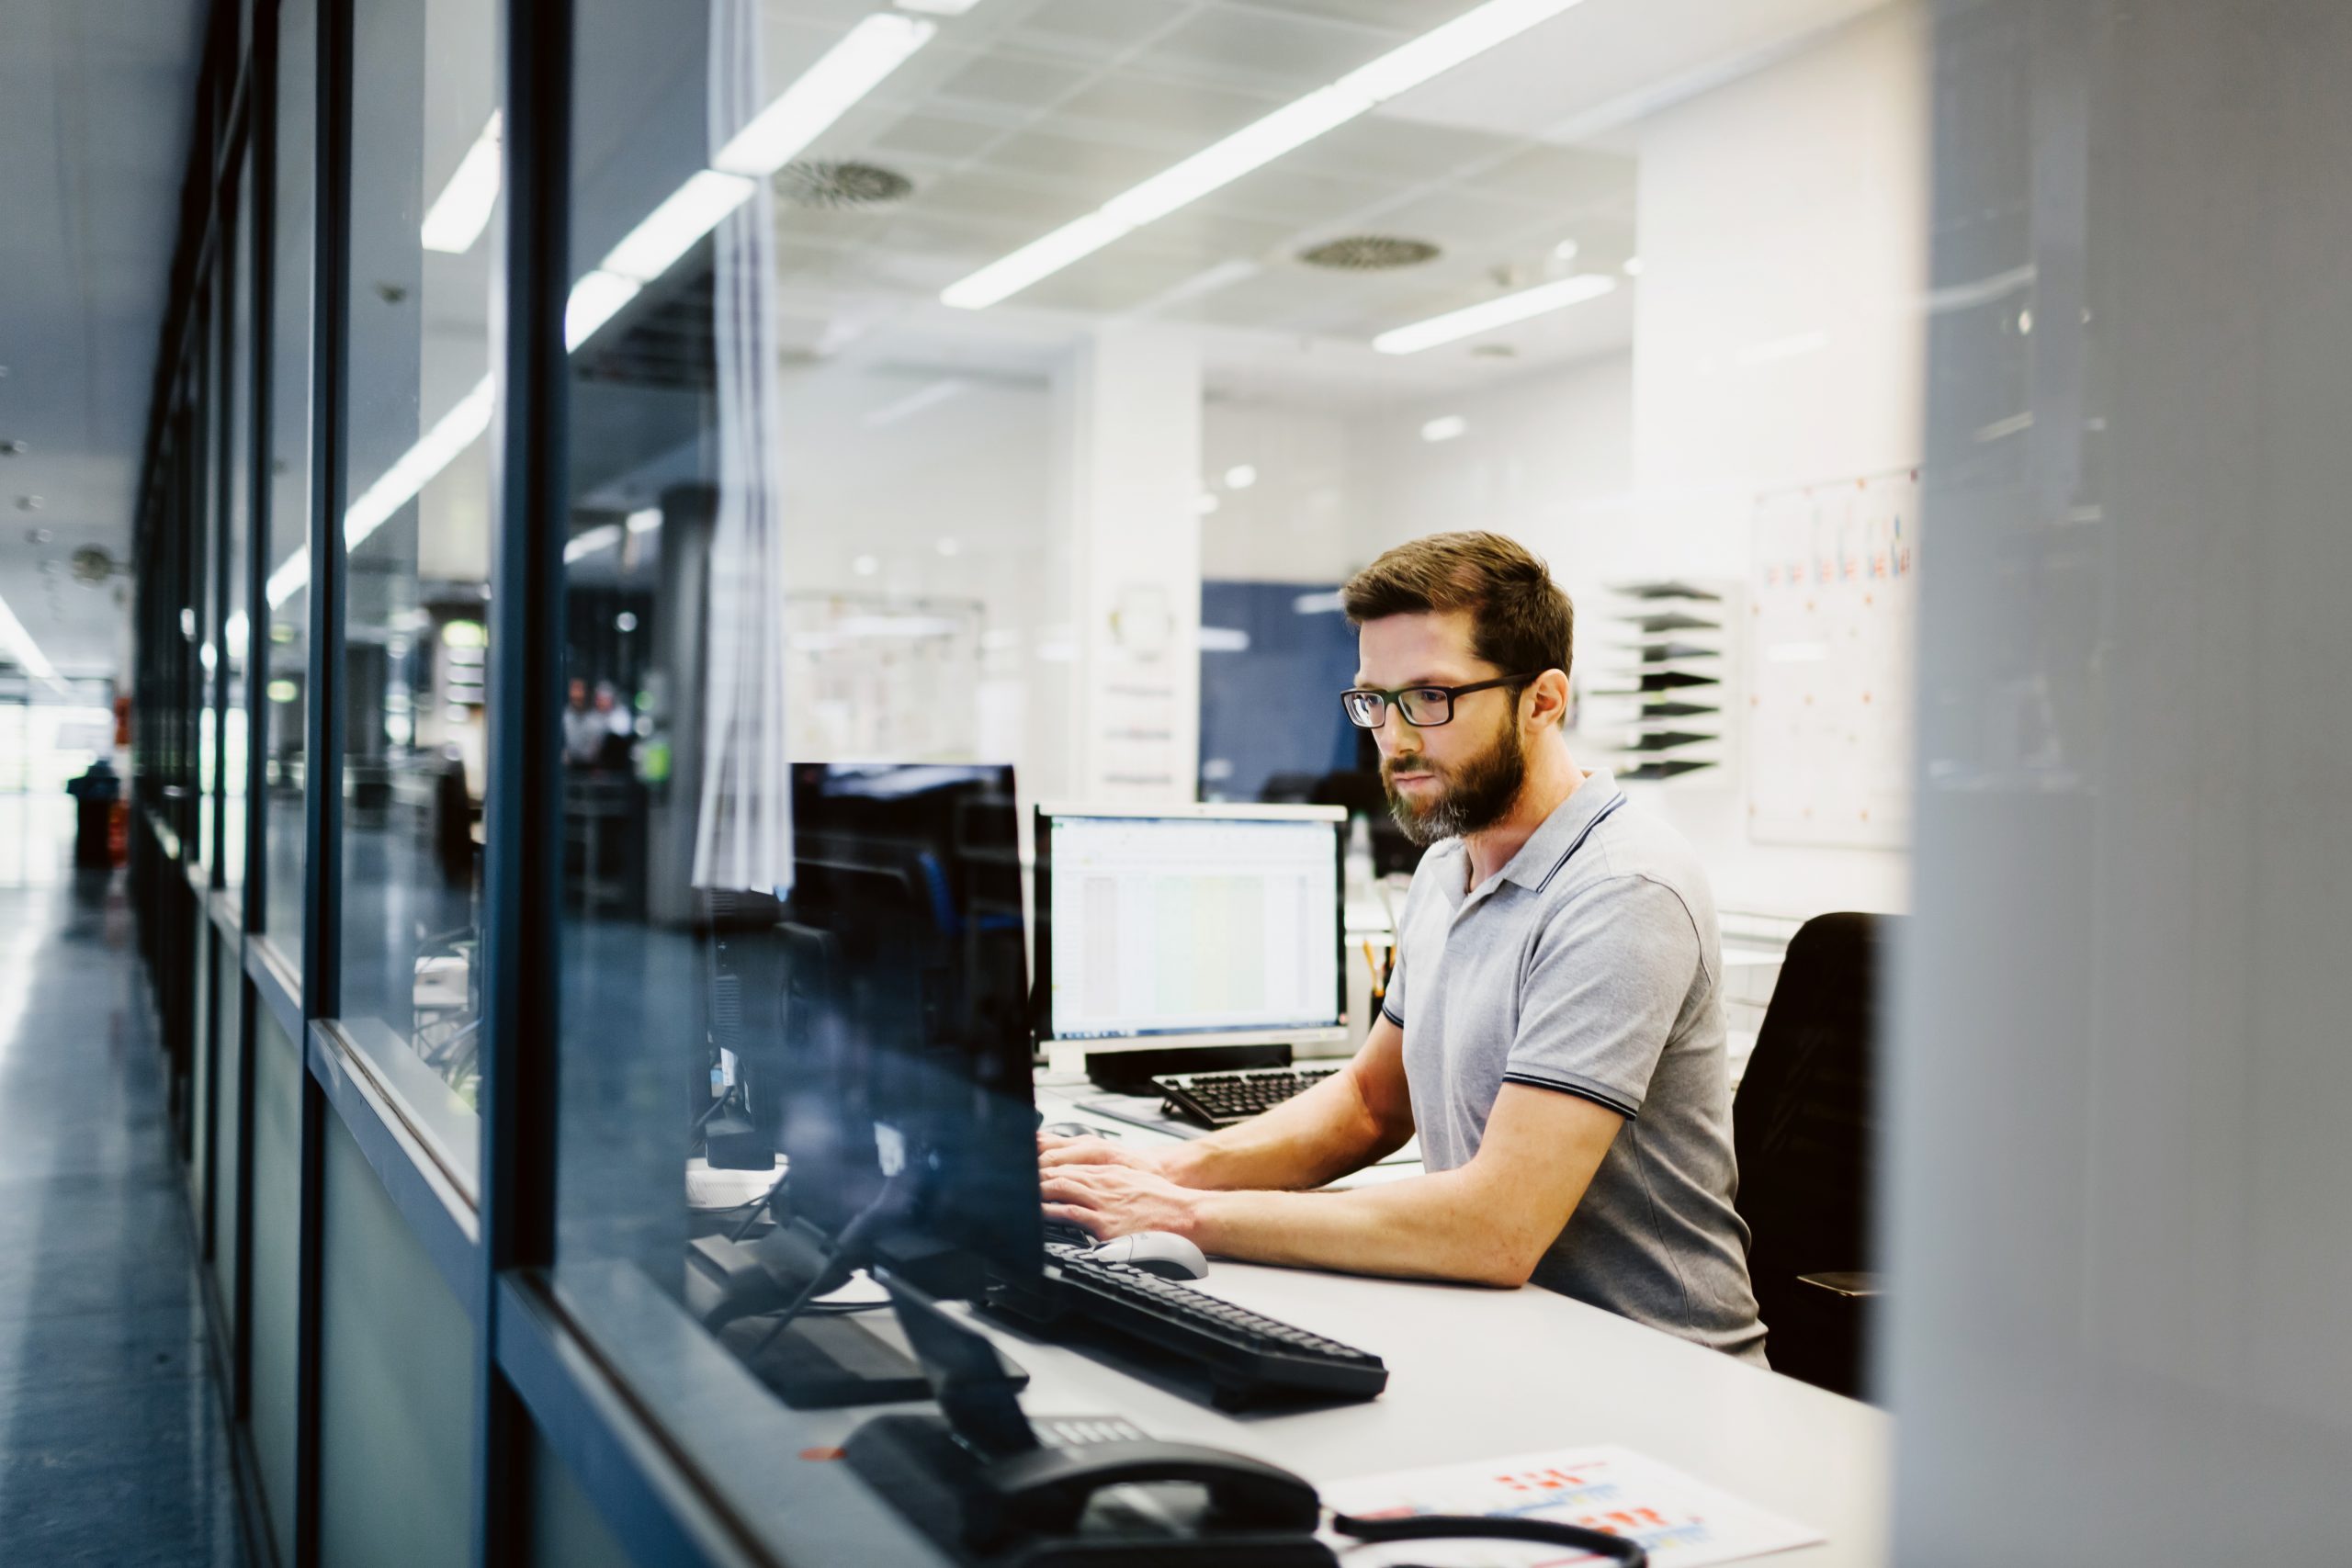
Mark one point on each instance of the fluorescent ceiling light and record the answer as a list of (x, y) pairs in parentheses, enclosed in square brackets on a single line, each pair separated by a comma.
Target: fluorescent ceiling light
[(1008, 276), (1241, 476), (591, 541), (417, 467), (644, 519), (1292, 126), (21, 646), (1633, 267), (938, 7), (1444, 428), (1494, 313), (595, 299), (670, 231), (802, 112), (461, 212)]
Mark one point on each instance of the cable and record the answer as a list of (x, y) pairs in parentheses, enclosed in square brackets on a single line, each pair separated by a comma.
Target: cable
[(851, 1242), (1480, 1527), (759, 1205)]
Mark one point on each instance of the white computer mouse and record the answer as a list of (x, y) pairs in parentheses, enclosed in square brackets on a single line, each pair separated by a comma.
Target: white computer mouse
[(1163, 1253)]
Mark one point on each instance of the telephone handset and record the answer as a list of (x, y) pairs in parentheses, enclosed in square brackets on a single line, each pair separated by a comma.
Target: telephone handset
[(1046, 1490)]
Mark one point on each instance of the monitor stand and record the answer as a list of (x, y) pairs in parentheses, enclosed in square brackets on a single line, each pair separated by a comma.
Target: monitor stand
[(825, 1363), (1131, 1072), (821, 1361)]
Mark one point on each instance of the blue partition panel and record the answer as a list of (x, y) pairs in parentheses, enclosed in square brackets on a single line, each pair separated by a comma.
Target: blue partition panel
[(396, 1382), (228, 1132), (277, 1190), (566, 1530)]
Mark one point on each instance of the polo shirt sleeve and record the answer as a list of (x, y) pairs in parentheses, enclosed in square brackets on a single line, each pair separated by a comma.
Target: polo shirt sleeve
[(1607, 979), (1392, 1001)]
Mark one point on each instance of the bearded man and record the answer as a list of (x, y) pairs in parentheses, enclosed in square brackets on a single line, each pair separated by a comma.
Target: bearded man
[(1554, 1031)]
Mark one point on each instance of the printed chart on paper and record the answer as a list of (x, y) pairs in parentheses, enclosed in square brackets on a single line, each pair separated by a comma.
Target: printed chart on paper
[(1833, 606), (1681, 1521)]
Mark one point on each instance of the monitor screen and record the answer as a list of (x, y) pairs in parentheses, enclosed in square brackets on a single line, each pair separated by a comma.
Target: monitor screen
[(1209, 922), (898, 1075)]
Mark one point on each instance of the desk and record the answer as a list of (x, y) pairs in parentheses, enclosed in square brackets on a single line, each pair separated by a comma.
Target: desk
[(1478, 1373)]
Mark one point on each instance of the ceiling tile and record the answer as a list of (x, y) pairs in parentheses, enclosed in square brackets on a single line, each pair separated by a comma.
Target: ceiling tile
[(1099, 27), (1015, 81), (1182, 119), (1300, 54)]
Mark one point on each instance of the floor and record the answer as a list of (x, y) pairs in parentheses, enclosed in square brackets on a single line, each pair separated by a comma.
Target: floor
[(112, 1448)]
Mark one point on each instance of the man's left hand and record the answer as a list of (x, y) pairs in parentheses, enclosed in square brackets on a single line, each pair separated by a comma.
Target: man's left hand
[(1117, 1200)]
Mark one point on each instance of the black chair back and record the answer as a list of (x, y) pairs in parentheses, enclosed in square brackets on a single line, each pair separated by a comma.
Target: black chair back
[(1804, 1127)]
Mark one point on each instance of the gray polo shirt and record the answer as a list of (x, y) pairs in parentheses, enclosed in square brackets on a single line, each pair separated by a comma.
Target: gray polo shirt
[(1590, 966)]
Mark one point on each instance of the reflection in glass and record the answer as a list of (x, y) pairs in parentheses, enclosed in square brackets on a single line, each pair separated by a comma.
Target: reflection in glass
[(416, 526), (285, 609)]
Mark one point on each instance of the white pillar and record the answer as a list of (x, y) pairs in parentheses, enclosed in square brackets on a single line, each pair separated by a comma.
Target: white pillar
[(1127, 564)]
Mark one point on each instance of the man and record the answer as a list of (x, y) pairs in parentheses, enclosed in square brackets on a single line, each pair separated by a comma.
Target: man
[(1554, 1031), (584, 729)]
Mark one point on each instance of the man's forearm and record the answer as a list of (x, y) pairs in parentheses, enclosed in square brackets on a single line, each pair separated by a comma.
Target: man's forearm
[(1307, 1140), (1438, 1226)]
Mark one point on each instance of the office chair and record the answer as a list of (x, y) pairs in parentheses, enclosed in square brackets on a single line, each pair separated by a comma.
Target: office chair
[(1804, 1127)]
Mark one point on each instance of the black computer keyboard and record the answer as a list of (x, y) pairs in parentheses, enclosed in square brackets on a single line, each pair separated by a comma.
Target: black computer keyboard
[(1246, 1357), (1221, 1100)]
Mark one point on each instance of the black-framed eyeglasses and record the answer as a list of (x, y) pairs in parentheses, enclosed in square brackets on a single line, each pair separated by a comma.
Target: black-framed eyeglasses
[(1424, 708)]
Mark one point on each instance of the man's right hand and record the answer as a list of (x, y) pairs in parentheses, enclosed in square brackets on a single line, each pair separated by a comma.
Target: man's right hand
[(1055, 1150)]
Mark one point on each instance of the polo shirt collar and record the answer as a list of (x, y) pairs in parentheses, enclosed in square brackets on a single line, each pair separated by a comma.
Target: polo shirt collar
[(1541, 854)]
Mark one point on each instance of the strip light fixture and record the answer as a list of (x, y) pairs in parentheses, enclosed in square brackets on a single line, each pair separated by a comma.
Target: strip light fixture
[(801, 113), (1288, 128), (21, 646), (461, 212), (1493, 313), (807, 109)]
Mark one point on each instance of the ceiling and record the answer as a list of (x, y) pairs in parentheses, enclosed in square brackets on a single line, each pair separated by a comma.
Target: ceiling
[(96, 101), (1024, 114)]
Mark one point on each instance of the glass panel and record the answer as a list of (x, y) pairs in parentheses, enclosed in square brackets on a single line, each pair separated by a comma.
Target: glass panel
[(286, 633), (204, 590), (859, 477), (235, 629), (416, 520)]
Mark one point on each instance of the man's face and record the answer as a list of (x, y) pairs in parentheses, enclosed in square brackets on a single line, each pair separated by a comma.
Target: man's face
[(1458, 777), (578, 694)]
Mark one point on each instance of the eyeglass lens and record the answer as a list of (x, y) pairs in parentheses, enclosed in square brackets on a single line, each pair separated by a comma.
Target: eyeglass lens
[(1423, 707)]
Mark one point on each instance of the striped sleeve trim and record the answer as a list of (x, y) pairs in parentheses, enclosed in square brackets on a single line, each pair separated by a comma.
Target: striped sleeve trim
[(1584, 1089), (1392, 1015)]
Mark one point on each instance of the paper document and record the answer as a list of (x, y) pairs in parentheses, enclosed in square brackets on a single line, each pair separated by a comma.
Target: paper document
[(1682, 1522)]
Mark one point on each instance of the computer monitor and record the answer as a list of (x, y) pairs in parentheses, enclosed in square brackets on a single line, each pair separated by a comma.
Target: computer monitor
[(1212, 931), (896, 1080)]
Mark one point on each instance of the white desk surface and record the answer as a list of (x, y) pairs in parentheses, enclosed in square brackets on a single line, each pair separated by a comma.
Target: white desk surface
[(1478, 1373)]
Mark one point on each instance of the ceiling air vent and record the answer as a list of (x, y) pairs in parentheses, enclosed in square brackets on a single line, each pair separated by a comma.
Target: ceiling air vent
[(842, 185), (1369, 252)]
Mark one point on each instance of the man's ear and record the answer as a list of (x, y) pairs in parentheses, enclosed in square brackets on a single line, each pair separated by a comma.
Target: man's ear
[(1547, 699)]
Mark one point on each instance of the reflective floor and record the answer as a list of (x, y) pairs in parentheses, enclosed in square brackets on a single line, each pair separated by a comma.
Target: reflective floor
[(112, 1448)]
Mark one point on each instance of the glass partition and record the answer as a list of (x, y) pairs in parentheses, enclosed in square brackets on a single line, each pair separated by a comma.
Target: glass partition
[(286, 640), (237, 534), (416, 523), (1014, 385)]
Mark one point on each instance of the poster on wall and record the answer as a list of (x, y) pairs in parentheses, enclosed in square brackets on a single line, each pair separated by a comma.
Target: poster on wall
[(1833, 608)]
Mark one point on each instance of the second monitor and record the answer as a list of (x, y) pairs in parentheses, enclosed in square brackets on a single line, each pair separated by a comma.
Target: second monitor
[(1183, 938)]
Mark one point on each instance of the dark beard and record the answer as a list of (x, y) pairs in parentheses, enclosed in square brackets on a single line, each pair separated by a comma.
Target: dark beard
[(1477, 797)]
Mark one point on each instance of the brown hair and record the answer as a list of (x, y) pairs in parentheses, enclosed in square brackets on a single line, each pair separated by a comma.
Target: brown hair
[(1521, 621)]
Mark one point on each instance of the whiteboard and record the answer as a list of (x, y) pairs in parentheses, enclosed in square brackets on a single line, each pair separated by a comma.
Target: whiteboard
[(1833, 606)]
